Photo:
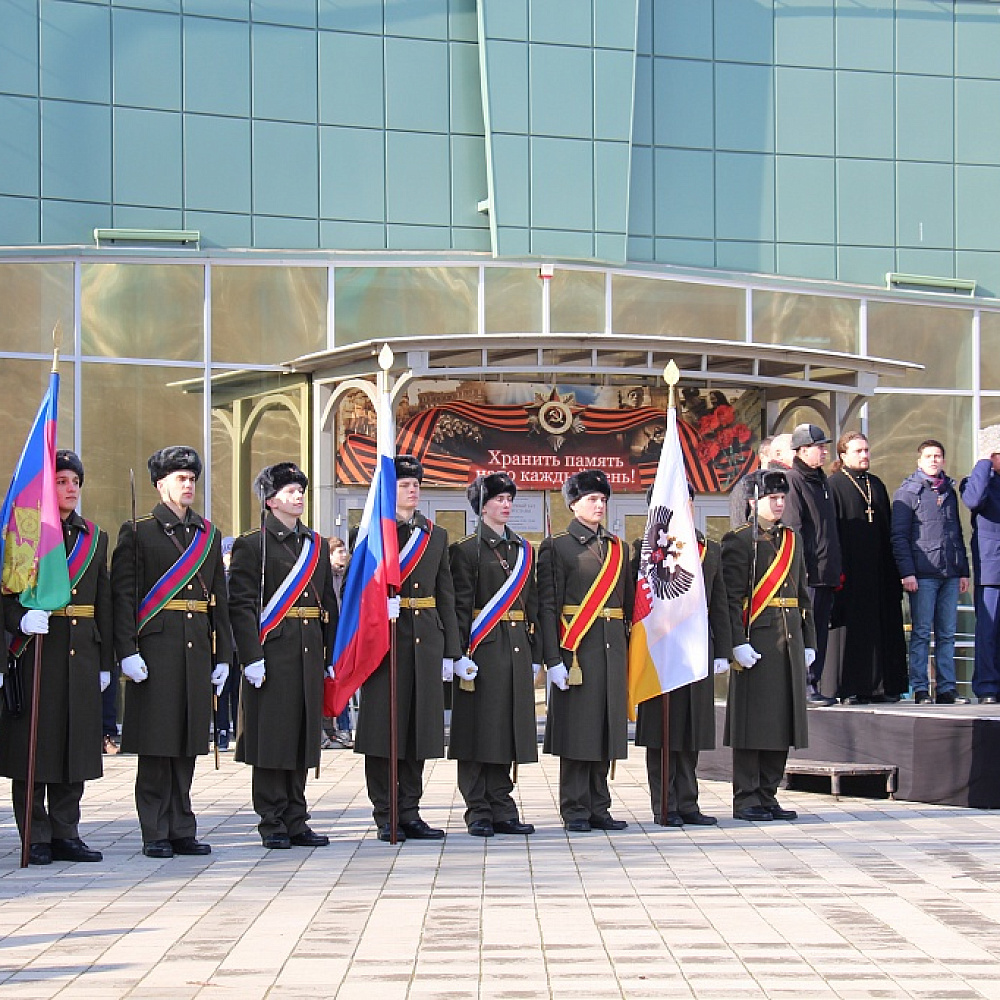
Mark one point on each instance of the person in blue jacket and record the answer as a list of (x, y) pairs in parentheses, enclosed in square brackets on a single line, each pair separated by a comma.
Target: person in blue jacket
[(929, 550), (981, 494)]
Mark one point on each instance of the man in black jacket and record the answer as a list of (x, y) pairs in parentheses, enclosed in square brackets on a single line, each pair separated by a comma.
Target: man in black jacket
[(810, 510)]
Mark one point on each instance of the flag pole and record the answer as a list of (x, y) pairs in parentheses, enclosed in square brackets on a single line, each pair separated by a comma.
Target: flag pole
[(36, 689), (671, 375), (385, 359)]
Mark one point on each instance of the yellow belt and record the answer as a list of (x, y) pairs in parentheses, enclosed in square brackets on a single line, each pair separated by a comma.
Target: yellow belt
[(507, 616), (302, 613), (199, 606), (782, 602), (75, 611), (418, 602), (611, 613)]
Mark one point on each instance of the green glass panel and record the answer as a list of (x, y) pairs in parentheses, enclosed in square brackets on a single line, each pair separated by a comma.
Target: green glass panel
[(676, 308), (404, 301), (128, 412), (939, 339), (142, 310), (35, 297), (267, 315), (513, 300), (818, 321), (577, 301)]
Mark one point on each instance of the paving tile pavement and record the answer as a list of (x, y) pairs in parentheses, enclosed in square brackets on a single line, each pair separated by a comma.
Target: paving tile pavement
[(858, 899)]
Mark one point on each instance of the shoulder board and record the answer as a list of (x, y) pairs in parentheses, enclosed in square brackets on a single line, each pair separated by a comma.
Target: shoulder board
[(742, 527), (468, 538), (145, 517), (252, 531)]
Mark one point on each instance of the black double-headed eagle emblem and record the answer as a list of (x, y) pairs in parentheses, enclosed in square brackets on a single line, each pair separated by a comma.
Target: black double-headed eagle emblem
[(661, 557)]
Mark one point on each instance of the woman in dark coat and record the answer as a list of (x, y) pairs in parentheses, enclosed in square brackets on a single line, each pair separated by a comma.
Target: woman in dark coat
[(77, 665), (493, 724)]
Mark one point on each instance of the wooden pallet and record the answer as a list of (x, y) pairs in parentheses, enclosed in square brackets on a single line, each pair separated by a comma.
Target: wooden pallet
[(835, 771)]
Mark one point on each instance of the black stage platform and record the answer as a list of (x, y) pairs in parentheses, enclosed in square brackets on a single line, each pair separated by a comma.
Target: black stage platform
[(946, 754)]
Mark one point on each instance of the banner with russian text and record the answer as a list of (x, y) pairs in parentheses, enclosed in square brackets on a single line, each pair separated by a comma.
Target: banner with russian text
[(541, 435)]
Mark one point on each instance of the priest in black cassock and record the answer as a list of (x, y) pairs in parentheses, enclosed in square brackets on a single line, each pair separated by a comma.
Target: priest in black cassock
[(868, 607)]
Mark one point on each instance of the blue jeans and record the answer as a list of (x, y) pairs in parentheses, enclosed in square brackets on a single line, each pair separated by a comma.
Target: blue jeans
[(934, 605)]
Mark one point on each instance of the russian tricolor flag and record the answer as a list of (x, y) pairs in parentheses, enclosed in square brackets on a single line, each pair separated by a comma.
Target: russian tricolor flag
[(32, 550), (362, 640)]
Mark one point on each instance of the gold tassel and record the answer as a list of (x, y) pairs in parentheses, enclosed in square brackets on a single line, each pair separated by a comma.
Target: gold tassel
[(465, 685), (575, 675)]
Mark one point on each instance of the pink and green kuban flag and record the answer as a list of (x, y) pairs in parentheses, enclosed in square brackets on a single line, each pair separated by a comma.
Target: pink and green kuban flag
[(31, 537)]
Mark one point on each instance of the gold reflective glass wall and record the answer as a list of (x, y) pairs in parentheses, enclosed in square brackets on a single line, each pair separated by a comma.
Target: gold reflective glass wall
[(513, 300), (377, 302), (23, 383), (818, 321), (577, 301), (989, 350), (127, 413), (937, 338), (35, 297), (267, 315), (143, 311), (677, 309), (898, 422)]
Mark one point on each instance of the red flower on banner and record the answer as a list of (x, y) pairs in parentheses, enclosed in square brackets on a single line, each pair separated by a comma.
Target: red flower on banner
[(725, 414), (742, 433), (707, 451), (708, 424), (726, 437)]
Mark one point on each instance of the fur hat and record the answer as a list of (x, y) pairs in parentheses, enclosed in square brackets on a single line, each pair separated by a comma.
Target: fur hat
[(175, 458), (407, 467), (763, 482), (489, 487), (274, 478), (584, 482), (69, 461)]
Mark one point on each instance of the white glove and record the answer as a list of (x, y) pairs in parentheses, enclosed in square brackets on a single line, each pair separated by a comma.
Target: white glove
[(810, 657), (330, 672), (745, 655), (134, 668), (35, 623), (254, 673), (720, 665), (447, 670), (219, 677), (1, 680), (559, 675), (466, 669), (392, 603), (535, 667), (105, 680)]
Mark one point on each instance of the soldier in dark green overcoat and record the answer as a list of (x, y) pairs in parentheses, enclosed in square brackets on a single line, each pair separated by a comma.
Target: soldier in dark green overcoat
[(691, 709), (281, 698), (493, 724), (766, 709), (77, 665), (427, 643), (587, 721), (181, 651)]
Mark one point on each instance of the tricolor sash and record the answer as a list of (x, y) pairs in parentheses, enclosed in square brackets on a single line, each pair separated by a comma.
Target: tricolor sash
[(774, 576), (502, 601), (291, 587), (77, 563), (415, 547), (178, 576), (571, 635)]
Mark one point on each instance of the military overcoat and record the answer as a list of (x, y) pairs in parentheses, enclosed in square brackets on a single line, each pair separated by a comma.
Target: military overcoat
[(766, 709), (692, 707), (495, 724), (589, 721), (169, 713), (74, 653), (424, 637), (280, 723)]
